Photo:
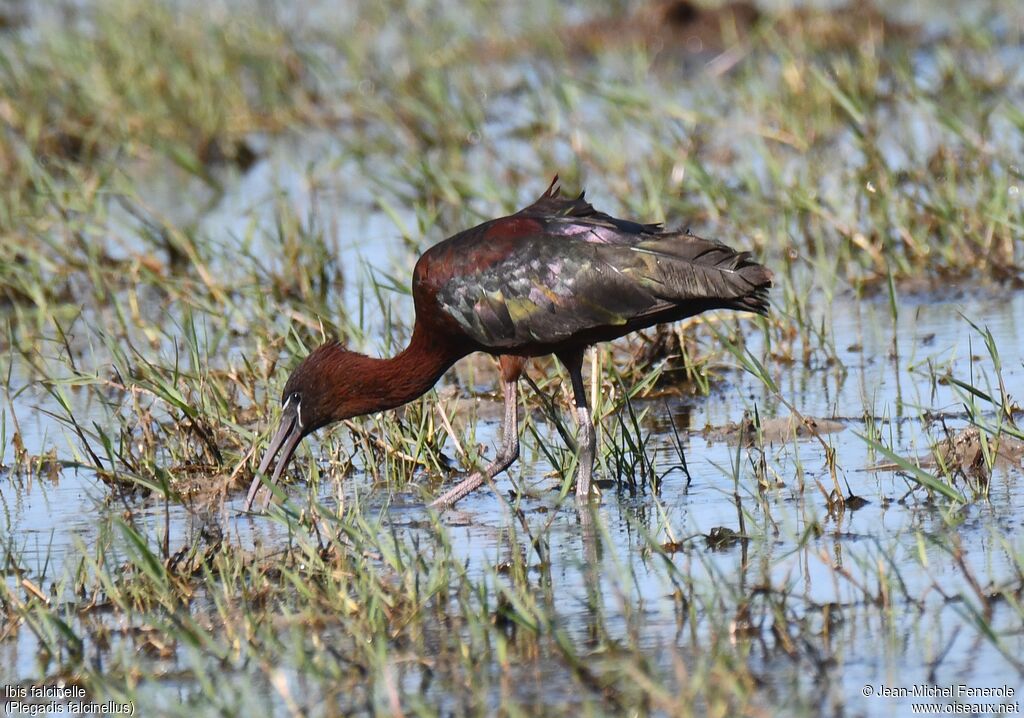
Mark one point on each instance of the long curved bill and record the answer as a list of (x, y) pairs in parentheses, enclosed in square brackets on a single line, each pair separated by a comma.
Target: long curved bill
[(287, 438)]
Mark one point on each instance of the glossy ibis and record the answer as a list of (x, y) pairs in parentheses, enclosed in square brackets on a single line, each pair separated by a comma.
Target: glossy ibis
[(553, 278)]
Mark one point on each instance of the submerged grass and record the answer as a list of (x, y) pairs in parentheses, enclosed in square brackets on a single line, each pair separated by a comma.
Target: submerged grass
[(854, 154)]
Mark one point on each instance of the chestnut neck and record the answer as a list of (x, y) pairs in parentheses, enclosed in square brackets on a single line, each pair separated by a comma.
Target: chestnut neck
[(382, 384)]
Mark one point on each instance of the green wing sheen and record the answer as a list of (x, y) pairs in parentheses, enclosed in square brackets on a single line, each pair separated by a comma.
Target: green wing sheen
[(551, 288)]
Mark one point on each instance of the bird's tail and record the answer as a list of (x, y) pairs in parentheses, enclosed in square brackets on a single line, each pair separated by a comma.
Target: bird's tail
[(758, 280), (683, 267)]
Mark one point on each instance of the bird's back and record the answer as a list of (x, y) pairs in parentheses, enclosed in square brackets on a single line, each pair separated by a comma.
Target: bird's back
[(559, 274)]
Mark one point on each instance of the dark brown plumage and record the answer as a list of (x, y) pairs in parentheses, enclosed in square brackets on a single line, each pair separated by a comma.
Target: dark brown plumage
[(553, 278)]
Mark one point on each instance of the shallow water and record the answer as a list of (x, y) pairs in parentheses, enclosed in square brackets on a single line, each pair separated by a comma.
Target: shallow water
[(880, 375), (898, 648)]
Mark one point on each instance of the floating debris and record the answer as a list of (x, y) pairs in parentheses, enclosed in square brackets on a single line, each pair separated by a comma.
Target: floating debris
[(965, 452), (772, 430), (722, 537), (853, 502)]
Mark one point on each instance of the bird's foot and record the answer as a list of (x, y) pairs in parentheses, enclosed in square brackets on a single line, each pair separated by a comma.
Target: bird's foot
[(458, 492)]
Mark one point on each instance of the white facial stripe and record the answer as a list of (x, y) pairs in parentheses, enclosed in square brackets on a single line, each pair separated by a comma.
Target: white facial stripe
[(298, 407)]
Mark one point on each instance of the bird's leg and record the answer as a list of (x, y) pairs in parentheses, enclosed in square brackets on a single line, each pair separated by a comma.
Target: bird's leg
[(511, 368), (586, 438), (507, 453)]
